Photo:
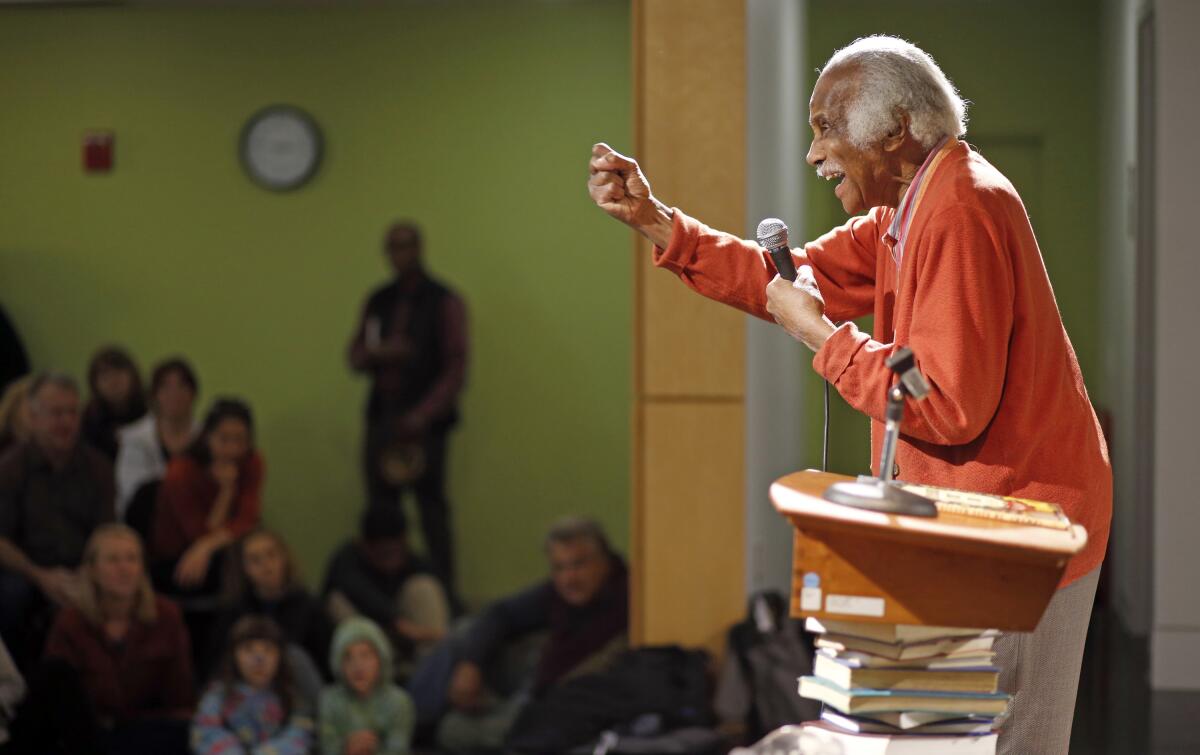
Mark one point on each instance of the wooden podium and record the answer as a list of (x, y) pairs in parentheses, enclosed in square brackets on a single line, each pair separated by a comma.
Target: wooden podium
[(951, 570)]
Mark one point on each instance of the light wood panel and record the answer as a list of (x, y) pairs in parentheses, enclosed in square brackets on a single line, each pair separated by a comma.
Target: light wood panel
[(691, 133), (688, 519), (693, 523), (691, 113), (693, 347)]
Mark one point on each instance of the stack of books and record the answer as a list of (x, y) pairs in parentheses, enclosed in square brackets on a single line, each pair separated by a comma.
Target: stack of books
[(895, 688)]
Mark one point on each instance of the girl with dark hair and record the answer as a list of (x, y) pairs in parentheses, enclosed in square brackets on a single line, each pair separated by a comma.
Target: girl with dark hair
[(165, 432), (210, 496), (253, 706), (116, 398), (262, 579)]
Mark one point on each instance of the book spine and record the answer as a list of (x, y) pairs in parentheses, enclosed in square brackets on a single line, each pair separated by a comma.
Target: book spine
[(1004, 516)]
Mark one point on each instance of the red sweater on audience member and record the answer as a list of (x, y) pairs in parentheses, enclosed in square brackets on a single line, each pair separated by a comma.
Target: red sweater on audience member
[(187, 495), (148, 674)]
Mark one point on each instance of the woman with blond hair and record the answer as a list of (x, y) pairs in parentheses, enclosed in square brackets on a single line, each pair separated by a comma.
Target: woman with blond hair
[(128, 647)]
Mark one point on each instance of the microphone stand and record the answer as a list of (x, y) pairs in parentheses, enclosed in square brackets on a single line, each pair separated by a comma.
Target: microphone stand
[(883, 493)]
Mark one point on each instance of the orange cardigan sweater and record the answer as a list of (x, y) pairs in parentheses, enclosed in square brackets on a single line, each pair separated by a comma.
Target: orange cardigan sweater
[(1008, 412)]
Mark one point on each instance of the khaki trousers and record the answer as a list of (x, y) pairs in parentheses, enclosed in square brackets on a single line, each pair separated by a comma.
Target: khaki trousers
[(1041, 670)]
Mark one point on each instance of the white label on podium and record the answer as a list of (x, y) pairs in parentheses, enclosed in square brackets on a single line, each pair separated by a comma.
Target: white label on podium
[(810, 599), (854, 605)]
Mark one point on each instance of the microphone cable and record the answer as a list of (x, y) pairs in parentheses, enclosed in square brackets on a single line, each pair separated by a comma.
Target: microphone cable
[(825, 433)]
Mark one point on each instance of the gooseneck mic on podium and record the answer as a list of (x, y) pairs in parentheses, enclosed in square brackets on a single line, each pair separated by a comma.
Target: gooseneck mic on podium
[(773, 236), (882, 494)]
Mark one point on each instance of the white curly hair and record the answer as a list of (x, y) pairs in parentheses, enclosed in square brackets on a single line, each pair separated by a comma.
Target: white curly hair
[(895, 74)]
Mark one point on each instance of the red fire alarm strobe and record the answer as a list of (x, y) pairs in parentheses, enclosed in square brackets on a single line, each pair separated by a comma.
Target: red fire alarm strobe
[(98, 151)]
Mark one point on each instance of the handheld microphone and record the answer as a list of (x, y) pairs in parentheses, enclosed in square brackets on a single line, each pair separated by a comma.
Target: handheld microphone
[(773, 236)]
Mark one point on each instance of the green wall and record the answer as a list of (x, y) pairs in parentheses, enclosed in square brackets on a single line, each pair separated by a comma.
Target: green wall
[(1029, 70), (474, 118)]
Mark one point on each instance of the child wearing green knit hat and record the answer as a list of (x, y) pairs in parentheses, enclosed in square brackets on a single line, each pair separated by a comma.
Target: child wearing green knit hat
[(363, 712)]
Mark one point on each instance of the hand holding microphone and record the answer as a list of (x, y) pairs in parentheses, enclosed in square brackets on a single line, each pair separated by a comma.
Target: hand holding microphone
[(793, 298)]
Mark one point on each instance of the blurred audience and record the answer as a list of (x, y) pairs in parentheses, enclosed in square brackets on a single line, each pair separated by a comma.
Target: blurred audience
[(210, 495), (363, 712), (376, 576), (14, 413), (583, 609), (116, 398), (117, 676), (146, 445), (412, 340), (129, 651), (253, 707), (264, 580), (54, 491)]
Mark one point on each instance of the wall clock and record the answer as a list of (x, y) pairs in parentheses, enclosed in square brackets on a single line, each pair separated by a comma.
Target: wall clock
[(280, 147)]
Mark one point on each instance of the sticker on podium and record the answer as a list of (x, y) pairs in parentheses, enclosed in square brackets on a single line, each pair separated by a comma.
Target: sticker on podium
[(854, 605), (810, 599)]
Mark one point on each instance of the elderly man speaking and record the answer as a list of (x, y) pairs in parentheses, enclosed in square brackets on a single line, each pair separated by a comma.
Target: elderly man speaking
[(941, 251)]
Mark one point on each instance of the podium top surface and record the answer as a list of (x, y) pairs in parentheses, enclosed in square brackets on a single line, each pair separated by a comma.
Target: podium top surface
[(798, 496)]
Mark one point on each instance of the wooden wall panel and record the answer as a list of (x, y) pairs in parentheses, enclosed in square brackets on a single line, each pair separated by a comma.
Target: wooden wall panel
[(692, 104), (691, 139), (693, 523), (694, 347), (688, 518)]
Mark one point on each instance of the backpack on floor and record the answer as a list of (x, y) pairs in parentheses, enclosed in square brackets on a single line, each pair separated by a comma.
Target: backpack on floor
[(669, 684), (768, 652)]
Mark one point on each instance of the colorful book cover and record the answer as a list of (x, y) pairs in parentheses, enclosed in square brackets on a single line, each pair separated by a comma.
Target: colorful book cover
[(985, 506)]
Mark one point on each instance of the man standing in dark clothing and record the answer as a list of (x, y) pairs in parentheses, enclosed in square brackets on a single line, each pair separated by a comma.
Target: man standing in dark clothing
[(412, 340), (54, 490)]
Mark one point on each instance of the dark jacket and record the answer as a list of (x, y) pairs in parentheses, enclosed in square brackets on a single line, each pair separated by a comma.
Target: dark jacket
[(14, 362), (371, 591), (575, 632), (300, 615), (147, 675), (49, 513), (100, 425), (431, 319)]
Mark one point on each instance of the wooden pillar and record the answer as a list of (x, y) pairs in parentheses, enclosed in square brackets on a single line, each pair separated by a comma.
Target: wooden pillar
[(688, 518)]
